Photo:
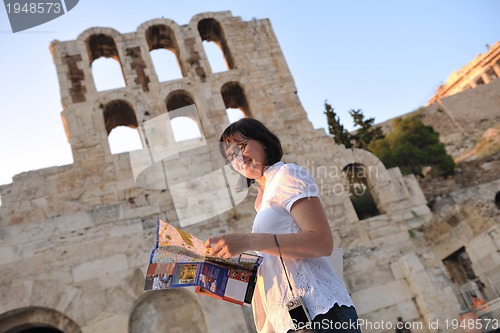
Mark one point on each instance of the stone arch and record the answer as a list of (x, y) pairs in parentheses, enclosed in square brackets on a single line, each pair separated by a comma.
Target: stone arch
[(83, 36), (179, 101), (359, 190), (170, 310), (211, 31), (141, 30), (161, 36), (378, 180), (99, 45), (23, 319), (119, 113), (234, 97), (142, 109)]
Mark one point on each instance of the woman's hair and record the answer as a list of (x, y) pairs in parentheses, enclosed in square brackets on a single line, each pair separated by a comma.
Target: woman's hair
[(252, 129)]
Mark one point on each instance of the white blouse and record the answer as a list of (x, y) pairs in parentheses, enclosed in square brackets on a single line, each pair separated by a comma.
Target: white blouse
[(314, 278)]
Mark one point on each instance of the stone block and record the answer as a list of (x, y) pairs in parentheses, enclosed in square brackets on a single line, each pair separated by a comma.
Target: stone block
[(374, 298), (107, 323), (6, 255), (482, 246), (397, 270), (71, 222), (100, 267), (134, 228), (15, 295), (408, 310), (384, 231), (399, 291), (61, 276), (392, 239), (452, 241), (138, 212), (54, 295), (411, 264)]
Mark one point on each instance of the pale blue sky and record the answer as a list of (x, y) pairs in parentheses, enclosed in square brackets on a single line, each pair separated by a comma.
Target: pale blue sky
[(385, 57)]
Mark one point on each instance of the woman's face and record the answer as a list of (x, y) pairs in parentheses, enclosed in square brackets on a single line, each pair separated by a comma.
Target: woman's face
[(247, 156)]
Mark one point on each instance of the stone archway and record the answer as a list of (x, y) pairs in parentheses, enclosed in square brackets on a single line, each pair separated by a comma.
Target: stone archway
[(173, 311), (36, 319), (35, 329)]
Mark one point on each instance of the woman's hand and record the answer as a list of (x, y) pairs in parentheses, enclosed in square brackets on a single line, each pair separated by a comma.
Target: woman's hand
[(228, 245)]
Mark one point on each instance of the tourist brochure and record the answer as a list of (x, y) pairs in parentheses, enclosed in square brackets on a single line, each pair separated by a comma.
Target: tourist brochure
[(180, 260)]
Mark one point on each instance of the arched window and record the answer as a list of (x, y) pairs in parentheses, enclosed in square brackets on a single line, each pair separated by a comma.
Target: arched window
[(184, 125), (497, 200), (178, 99), (36, 320), (215, 57), (164, 52), (234, 114), (166, 65), (211, 33), (39, 329), (359, 191), (235, 101), (185, 128), (121, 126), (107, 74), (105, 62), (123, 139)]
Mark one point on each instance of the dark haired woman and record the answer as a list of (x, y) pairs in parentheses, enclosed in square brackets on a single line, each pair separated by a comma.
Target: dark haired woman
[(290, 222)]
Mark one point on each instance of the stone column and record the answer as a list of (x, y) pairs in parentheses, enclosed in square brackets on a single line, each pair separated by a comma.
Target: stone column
[(485, 78), (496, 68)]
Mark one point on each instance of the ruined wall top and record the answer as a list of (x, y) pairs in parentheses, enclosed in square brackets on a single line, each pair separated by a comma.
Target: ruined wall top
[(483, 69)]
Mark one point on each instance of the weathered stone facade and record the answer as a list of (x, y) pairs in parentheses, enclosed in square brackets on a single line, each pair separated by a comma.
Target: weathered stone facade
[(75, 240)]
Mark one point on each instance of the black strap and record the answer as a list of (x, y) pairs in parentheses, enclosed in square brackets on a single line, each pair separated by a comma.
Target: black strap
[(282, 263)]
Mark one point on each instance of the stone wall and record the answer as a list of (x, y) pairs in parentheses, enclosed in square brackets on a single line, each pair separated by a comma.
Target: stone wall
[(461, 119)]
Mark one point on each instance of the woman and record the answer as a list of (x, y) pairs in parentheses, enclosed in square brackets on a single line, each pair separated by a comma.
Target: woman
[(290, 222)]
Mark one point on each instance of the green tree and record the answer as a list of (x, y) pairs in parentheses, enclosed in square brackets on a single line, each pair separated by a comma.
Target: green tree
[(365, 131), (336, 129), (411, 146)]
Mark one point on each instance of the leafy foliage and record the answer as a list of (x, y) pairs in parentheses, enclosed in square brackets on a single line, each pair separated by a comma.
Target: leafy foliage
[(411, 146), (340, 134), (364, 133)]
